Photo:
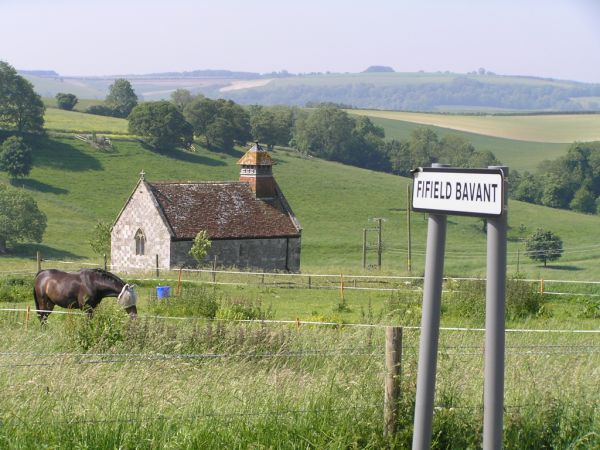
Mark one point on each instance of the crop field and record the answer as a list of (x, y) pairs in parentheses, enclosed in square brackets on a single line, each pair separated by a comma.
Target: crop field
[(517, 155), (559, 128), (173, 379)]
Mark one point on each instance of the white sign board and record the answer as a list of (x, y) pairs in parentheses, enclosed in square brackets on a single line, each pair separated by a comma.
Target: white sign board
[(471, 192)]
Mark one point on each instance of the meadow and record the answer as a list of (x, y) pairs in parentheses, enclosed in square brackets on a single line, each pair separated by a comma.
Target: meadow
[(183, 381), (190, 372), (69, 176)]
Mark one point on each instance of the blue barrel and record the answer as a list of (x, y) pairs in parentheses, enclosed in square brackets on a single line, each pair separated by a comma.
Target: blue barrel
[(163, 291)]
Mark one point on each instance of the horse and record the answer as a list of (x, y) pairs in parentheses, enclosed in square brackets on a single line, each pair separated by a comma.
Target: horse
[(83, 289)]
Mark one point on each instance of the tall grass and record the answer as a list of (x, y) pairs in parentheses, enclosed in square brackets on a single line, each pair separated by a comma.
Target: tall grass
[(110, 382)]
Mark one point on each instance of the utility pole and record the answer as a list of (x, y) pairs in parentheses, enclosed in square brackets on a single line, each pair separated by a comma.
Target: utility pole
[(379, 240), (364, 248)]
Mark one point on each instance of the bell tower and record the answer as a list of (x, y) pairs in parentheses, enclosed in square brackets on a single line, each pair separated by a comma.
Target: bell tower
[(257, 170)]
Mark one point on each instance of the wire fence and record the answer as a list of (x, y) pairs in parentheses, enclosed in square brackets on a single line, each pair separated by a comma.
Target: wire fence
[(341, 281), (550, 347)]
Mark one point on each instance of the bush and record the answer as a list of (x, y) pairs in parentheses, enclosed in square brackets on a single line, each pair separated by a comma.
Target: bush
[(193, 302), (100, 110), (15, 289), (102, 332), (66, 101), (242, 309), (468, 299), (522, 299)]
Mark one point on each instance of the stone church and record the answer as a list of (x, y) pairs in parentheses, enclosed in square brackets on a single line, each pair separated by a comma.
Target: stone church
[(249, 222)]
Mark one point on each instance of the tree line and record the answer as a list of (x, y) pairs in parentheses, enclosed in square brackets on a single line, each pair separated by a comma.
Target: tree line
[(460, 92), (571, 181)]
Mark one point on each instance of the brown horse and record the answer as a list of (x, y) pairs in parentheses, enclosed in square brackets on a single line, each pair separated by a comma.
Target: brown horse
[(83, 289)]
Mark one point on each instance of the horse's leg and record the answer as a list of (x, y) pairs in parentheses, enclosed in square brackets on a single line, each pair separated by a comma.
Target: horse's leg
[(46, 306)]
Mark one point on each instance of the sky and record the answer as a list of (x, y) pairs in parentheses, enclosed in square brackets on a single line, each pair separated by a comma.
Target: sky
[(546, 38)]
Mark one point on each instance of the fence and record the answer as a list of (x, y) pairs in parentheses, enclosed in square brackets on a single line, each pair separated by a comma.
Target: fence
[(542, 358), (342, 282)]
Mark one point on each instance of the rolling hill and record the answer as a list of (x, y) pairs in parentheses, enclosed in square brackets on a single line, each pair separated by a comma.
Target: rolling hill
[(440, 91), (76, 186)]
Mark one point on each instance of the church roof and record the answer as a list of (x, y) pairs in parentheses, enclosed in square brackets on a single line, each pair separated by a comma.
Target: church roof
[(256, 156), (225, 210)]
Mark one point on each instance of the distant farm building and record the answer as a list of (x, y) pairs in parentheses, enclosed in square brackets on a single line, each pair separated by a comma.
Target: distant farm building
[(249, 222)]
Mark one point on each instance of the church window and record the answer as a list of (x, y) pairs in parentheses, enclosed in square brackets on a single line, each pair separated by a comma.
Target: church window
[(140, 242)]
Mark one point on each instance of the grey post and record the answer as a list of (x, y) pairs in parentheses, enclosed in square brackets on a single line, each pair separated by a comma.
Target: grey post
[(430, 329), (493, 395)]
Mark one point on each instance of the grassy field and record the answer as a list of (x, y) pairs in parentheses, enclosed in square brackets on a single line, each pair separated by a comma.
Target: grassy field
[(333, 203), (78, 122), (559, 128), (170, 383)]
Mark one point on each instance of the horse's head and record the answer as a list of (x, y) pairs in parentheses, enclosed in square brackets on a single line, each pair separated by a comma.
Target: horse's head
[(127, 298)]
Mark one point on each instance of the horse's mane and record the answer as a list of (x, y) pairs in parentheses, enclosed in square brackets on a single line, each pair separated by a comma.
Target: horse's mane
[(106, 274)]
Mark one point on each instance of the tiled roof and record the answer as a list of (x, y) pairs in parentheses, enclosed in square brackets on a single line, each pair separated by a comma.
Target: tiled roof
[(256, 156), (224, 210)]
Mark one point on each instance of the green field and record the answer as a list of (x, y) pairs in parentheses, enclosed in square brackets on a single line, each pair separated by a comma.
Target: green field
[(333, 203), (77, 122), (160, 382), (165, 382), (555, 128)]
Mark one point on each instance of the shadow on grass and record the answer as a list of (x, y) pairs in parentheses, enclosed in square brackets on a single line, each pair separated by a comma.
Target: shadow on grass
[(563, 267), (35, 185), (185, 156), (62, 156), (29, 251)]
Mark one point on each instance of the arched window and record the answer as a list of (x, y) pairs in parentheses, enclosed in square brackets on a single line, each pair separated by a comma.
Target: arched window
[(140, 242)]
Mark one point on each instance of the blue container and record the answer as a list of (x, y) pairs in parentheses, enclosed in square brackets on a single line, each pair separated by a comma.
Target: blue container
[(163, 291)]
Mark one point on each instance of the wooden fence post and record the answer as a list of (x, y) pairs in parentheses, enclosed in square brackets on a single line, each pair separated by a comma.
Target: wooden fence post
[(157, 269), (105, 263), (393, 369), (39, 260), (27, 313), (179, 283), (309, 282), (214, 268)]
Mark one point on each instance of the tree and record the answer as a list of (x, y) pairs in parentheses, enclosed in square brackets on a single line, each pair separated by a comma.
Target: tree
[(161, 125), (544, 245), (220, 133), (121, 98), (16, 157), (181, 98), (100, 240), (20, 218), (66, 101), (200, 246), (20, 107), (200, 113), (583, 201)]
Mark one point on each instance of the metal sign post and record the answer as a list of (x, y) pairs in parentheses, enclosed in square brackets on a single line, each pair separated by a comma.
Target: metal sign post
[(473, 192), (495, 294)]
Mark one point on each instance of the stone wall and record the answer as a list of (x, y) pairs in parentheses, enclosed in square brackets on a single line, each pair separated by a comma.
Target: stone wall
[(262, 254), (141, 213)]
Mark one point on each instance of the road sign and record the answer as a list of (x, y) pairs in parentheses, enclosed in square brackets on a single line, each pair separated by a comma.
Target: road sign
[(470, 192)]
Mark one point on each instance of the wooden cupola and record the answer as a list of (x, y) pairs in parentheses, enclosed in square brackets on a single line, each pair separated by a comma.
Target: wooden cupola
[(257, 170)]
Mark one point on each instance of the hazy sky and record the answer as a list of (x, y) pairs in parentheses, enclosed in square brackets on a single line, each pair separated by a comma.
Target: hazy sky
[(550, 38)]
